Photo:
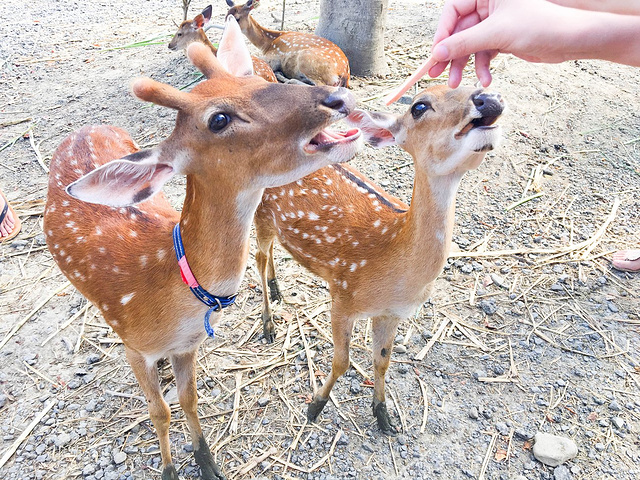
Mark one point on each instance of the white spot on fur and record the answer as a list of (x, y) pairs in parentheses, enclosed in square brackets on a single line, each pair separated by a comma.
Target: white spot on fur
[(127, 298)]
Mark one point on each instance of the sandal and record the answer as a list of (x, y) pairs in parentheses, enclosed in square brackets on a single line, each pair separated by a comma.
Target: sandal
[(16, 220), (626, 260)]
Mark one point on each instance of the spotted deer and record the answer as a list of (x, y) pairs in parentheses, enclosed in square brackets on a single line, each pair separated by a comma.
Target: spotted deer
[(113, 233), (191, 31), (379, 256), (298, 56)]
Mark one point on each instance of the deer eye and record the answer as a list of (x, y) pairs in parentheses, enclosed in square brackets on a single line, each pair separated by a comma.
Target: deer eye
[(179, 34), (218, 121), (418, 109)]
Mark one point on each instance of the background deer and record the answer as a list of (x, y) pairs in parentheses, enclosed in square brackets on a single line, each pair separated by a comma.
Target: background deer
[(294, 55), (111, 231), (191, 31), (379, 256)]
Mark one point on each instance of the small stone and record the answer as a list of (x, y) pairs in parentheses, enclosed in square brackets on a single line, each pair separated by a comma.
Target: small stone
[(62, 439), (617, 422), (93, 358), (355, 387), (88, 470), (599, 446), (557, 287), (502, 428), (119, 458), (263, 401), (523, 434), (400, 349), (467, 268), (615, 406), (562, 473), (612, 307), (553, 450), (473, 413), (172, 395), (488, 306), (497, 280), (367, 447)]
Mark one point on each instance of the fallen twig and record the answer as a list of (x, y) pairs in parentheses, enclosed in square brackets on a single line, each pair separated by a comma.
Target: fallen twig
[(12, 449)]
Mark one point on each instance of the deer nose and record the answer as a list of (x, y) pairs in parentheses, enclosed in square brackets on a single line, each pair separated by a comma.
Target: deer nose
[(488, 104), (340, 100)]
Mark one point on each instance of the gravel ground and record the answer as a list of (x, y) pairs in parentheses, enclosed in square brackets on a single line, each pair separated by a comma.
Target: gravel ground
[(530, 338)]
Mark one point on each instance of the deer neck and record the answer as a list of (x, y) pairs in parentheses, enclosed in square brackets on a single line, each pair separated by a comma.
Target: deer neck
[(204, 39), (261, 37), (428, 227), (215, 225)]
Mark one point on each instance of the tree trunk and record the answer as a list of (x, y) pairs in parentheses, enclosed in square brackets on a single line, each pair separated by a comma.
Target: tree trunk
[(357, 27)]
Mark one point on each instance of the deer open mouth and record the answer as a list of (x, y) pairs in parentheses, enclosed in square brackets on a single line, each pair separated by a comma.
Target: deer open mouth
[(327, 139), (478, 123)]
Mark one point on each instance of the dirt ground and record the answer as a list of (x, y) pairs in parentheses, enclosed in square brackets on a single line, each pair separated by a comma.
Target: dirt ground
[(531, 332)]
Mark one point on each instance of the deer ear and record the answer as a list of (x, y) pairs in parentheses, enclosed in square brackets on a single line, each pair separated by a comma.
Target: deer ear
[(251, 4), (233, 53), (204, 59), (198, 21), (379, 129), (124, 182), (206, 13), (159, 93), (230, 3)]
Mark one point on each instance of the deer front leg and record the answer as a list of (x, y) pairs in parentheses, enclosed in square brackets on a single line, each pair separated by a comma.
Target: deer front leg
[(270, 289), (159, 411), (184, 369), (384, 331), (342, 328)]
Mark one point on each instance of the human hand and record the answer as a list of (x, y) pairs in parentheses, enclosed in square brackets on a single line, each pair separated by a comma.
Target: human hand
[(534, 30)]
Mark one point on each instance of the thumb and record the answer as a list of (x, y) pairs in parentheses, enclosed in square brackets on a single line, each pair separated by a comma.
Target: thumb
[(481, 36)]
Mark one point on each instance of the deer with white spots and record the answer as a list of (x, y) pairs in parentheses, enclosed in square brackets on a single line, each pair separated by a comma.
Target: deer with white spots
[(191, 31), (379, 256), (113, 234), (298, 56)]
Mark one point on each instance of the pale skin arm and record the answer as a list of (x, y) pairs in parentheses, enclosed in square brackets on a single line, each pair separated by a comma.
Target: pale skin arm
[(622, 7), (535, 30)]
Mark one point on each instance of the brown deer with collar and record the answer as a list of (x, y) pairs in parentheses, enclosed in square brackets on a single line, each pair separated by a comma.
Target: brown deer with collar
[(110, 230), (191, 31), (298, 56), (379, 256)]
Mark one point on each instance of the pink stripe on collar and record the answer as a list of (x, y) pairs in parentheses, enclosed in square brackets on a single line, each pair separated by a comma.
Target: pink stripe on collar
[(187, 274)]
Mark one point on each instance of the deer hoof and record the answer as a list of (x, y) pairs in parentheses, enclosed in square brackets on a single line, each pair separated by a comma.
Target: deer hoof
[(210, 470), (315, 407), (268, 328), (384, 419), (169, 473)]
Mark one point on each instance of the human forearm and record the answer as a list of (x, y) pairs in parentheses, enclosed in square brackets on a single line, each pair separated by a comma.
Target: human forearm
[(623, 7), (611, 37)]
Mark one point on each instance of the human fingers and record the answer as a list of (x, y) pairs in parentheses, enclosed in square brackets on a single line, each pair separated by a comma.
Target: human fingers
[(479, 37), (452, 12), (437, 69), (482, 64), (455, 71)]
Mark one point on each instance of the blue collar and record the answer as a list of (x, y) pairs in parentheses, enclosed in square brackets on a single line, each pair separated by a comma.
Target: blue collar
[(214, 302)]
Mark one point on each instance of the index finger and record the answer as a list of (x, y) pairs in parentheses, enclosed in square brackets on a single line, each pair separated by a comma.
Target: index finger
[(452, 12)]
